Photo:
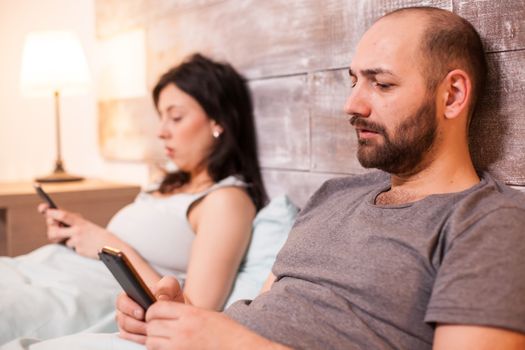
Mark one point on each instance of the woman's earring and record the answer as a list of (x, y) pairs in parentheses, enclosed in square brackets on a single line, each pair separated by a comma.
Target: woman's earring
[(216, 134)]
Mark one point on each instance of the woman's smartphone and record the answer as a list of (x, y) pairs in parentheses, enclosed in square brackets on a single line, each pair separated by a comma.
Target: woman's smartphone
[(45, 197), (127, 276)]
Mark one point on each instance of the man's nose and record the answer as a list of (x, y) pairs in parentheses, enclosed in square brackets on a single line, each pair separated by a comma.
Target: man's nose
[(358, 102)]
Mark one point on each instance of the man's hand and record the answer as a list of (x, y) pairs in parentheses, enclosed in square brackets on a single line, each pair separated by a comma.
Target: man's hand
[(172, 323), (130, 319), (177, 326), (168, 288), (130, 315)]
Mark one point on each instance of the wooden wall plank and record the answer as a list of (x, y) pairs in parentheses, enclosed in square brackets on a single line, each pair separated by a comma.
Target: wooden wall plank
[(519, 188), (269, 38), (497, 131), (282, 119), (115, 16), (261, 38), (298, 185), (128, 129), (501, 23), (334, 141), (370, 10)]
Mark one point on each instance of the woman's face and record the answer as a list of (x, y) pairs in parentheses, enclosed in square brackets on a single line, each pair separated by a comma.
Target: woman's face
[(185, 128)]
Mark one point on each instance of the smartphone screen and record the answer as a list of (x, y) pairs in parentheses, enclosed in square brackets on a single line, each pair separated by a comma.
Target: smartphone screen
[(127, 276)]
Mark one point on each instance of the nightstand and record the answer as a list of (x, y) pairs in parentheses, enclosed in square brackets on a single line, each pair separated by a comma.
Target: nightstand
[(23, 229)]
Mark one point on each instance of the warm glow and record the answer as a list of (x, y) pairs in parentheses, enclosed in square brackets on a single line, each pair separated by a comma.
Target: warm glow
[(53, 61), (123, 66)]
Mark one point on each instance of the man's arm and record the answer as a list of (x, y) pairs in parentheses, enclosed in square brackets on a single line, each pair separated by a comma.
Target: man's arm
[(451, 337)]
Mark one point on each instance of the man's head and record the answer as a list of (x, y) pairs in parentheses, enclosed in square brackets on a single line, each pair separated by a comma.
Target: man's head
[(411, 67), (449, 42)]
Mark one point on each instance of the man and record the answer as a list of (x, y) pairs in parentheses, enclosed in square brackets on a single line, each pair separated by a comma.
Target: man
[(427, 253)]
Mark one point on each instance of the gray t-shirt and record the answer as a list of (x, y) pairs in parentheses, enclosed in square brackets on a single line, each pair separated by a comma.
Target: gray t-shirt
[(355, 275)]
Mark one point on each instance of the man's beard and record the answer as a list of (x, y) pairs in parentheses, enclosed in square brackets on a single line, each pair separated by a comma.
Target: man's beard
[(402, 151)]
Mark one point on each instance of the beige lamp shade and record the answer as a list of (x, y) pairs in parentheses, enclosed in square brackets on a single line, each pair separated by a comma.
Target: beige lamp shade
[(53, 61)]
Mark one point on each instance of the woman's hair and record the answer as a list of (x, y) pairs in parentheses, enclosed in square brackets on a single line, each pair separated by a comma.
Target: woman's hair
[(223, 94)]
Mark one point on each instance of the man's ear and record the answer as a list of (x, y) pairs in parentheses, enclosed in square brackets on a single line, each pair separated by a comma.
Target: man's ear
[(457, 91)]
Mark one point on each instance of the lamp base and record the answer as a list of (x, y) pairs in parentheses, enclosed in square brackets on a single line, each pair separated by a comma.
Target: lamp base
[(59, 176)]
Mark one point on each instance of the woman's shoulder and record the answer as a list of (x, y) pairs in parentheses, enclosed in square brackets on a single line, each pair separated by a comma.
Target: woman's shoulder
[(230, 181), (228, 206), (228, 197), (228, 191)]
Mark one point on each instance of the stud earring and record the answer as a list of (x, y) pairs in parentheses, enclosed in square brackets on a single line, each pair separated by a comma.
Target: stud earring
[(216, 134)]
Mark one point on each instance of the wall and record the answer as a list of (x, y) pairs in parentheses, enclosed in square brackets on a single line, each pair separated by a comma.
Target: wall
[(296, 53), (27, 139)]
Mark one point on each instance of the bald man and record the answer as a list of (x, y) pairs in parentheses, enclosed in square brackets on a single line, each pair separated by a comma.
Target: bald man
[(425, 253)]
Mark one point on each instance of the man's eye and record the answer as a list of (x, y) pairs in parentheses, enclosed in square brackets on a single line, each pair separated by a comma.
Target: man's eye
[(353, 83), (176, 119), (383, 86)]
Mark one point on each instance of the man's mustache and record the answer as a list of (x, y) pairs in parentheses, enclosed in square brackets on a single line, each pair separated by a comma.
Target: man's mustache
[(363, 123)]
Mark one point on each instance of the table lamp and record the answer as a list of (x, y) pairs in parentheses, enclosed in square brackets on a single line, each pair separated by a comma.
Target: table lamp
[(53, 63)]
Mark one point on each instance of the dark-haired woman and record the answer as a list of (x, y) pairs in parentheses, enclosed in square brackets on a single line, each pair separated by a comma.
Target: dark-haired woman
[(196, 226)]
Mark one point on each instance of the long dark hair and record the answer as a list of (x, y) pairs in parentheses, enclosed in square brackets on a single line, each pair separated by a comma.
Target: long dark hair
[(223, 94)]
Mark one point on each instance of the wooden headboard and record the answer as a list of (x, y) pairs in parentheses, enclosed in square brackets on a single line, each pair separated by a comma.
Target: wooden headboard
[(295, 55)]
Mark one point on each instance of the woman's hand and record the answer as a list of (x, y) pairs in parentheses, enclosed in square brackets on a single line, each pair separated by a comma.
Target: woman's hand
[(84, 236), (130, 316)]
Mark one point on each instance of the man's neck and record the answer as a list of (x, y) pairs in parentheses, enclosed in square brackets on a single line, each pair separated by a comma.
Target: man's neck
[(439, 177)]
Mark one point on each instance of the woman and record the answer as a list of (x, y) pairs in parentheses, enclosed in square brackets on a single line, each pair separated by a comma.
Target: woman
[(197, 225)]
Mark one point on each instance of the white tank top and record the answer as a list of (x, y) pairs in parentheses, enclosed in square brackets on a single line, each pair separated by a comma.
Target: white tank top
[(159, 230)]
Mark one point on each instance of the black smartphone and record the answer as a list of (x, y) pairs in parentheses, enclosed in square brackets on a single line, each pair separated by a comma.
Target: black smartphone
[(126, 275), (45, 197)]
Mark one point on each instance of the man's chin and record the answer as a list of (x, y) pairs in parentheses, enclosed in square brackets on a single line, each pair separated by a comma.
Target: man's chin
[(371, 156), (366, 161), (368, 165)]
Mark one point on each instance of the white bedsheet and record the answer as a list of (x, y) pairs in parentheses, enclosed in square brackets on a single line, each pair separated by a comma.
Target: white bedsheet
[(52, 292), (82, 341)]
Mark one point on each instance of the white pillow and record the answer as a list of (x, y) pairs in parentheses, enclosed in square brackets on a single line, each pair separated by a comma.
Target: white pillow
[(270, 231)]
